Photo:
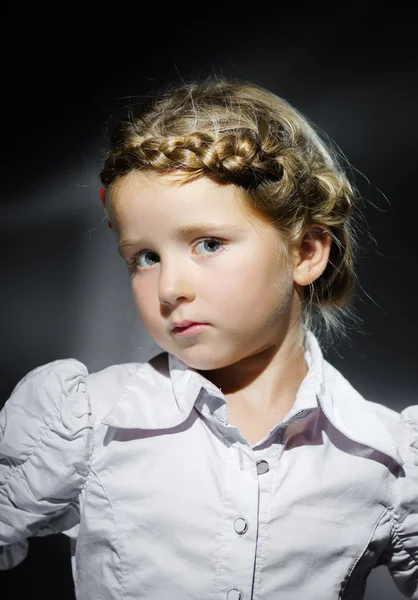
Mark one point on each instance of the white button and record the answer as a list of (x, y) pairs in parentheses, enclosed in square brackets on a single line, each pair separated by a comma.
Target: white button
[(240, 526), (262, 467), (234, 594)]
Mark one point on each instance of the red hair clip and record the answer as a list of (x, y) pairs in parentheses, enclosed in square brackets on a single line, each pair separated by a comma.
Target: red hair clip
[(103, 200)]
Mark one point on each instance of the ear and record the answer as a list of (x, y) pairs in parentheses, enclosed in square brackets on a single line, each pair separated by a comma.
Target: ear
[(311, 254)]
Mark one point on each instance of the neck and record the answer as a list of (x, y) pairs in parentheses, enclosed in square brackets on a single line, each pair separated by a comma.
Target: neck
[(265, 381)]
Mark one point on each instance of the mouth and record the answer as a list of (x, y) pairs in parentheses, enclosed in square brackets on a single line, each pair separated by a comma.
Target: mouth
[(192, 329)]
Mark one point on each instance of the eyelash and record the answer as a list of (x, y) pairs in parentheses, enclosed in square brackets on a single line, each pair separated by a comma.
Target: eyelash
[(133, 266)]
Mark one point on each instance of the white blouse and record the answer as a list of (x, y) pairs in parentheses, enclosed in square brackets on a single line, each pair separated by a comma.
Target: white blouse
[(164, 500)]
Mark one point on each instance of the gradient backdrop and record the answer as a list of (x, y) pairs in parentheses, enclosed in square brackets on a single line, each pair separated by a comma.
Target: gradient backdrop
[(65, 291)]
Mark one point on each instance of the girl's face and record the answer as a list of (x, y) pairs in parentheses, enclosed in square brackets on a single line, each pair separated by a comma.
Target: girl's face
[(230, 271)]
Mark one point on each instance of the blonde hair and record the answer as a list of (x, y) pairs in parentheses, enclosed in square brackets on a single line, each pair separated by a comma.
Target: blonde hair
[(236, 132)]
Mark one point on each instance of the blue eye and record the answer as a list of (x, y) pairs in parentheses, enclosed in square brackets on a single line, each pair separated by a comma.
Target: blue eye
[(210, 241), (135, 265), (143, 253)]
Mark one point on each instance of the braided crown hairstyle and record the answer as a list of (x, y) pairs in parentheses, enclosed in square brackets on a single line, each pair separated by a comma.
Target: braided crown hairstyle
[(233, 131)]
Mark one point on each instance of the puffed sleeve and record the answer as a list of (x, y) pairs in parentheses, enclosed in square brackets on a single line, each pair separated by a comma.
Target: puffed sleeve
[(46, 444), (402, 556)]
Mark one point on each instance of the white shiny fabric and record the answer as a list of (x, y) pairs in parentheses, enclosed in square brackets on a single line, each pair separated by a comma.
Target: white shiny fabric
[(164, 500)]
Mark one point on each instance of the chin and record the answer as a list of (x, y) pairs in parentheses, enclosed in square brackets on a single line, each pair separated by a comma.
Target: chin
[(202, 359)]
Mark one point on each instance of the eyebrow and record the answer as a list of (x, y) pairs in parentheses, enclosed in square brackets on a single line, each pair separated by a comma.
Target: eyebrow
[(184, 231)]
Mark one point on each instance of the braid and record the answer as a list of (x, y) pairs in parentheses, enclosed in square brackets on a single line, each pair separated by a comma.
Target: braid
[(234, 157)]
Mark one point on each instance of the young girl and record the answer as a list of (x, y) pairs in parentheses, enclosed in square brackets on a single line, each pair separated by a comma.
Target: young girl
[(237, 464)]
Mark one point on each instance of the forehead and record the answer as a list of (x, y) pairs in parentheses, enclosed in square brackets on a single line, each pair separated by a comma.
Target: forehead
[(152, 198)]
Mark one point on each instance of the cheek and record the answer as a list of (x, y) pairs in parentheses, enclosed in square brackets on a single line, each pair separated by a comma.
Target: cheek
[(248, 290), (144, 297)]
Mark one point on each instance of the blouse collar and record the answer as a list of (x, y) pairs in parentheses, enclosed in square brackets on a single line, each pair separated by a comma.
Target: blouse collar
[(154, 400)]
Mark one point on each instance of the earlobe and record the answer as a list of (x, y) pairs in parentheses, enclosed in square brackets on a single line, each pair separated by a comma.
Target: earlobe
[(311, 255)]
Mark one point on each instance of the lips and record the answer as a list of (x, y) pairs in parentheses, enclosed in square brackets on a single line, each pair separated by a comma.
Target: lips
[(178, 328), (194, 329), (185, 323)]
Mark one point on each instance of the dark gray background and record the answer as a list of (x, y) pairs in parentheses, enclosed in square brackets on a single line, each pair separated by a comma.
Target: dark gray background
[(65, 291)]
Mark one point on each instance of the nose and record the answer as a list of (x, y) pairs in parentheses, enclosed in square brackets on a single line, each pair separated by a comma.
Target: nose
[(175, 283)]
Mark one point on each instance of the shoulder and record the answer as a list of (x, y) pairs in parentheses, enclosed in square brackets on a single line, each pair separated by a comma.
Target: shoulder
[(403, 550), (344, 391), (46, 388), (397, 422), (402, 425), (372, 423), (105, 387), (48, 437), (51, 401), (46, 444)]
